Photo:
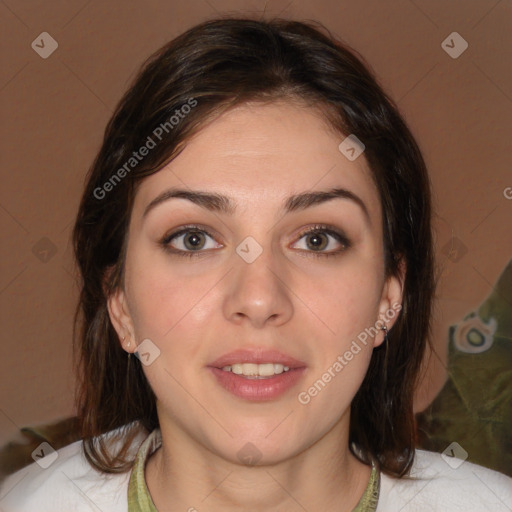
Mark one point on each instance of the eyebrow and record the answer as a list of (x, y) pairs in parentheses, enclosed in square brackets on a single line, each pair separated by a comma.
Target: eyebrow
[(223, 204)]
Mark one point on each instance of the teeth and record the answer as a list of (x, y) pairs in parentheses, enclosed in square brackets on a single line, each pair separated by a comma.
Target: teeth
[(257, 370)]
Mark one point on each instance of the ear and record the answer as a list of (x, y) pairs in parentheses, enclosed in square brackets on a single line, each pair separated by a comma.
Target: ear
[(121, 319), (391, 302)]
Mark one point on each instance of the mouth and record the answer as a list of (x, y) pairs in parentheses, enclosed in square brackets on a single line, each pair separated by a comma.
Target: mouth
[(257, 375), (256, 371)]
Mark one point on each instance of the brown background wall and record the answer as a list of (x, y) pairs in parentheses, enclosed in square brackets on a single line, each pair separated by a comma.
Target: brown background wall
[(54, 111)]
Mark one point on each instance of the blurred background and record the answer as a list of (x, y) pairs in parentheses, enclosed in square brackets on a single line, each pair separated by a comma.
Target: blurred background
[(65, 64)]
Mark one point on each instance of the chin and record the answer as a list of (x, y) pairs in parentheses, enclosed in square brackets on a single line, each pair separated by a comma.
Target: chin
[(258, 450)]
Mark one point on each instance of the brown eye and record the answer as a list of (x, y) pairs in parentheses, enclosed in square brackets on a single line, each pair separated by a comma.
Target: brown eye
[(319, 238), (317, 241), (189, 241), (194, 240)]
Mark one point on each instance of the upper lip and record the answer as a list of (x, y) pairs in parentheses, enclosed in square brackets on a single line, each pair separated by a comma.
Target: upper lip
[(256, 356)]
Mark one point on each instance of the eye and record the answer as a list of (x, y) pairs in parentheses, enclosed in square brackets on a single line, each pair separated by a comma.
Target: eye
[(192, 241), (320, 237), (188, 241)]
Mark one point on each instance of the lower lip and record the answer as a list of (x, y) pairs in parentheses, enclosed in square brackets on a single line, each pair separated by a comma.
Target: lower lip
[(258, 390)]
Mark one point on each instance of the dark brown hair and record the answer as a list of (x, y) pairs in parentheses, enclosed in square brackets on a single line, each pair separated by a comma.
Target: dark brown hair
[(213, 67)]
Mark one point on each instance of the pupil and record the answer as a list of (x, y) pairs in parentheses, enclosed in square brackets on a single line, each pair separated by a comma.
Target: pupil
[(193, 240), (316, 241)]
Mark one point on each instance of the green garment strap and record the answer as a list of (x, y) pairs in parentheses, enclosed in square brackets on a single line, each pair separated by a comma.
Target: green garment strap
[(139, 499), (370, 498)]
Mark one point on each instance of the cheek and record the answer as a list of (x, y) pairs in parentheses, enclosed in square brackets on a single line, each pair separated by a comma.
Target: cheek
[(347, 301), (348, 305), (167, 306)]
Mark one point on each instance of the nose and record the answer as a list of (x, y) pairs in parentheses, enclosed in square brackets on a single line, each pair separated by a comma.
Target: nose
[(257, 293)]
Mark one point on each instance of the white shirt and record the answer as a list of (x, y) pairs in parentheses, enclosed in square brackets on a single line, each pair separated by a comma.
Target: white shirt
[(70, 484)]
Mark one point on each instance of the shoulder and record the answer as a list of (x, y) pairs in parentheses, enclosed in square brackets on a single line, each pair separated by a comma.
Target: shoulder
[(442, 484), (63, 480)]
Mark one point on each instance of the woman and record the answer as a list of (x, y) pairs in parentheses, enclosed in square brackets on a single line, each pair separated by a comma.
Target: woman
[(256, 231)]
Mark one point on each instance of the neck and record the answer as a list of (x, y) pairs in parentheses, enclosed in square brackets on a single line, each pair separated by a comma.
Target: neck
[(183, 475)]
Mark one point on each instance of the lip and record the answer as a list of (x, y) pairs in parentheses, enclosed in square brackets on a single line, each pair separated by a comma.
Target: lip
[(257, 356), (257, 390)]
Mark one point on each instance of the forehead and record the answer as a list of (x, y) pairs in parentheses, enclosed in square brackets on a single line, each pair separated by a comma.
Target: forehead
[(260, 154)]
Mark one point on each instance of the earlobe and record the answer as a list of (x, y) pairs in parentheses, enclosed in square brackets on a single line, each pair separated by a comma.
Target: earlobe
[(121, 319), (391, 302)]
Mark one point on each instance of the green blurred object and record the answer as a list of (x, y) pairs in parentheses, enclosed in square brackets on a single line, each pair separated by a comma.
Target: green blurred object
[(474, 408)]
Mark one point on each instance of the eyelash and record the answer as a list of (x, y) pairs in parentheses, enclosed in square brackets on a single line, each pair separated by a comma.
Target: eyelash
[(318, 228)]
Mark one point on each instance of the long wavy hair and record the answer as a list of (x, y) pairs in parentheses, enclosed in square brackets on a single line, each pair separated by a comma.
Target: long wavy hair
[(211, 68)]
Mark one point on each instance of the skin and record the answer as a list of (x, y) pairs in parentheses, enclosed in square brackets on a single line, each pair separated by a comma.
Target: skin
[(308, 306)]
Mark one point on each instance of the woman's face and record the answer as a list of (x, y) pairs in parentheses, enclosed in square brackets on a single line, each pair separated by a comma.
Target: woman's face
[(247, 289)]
